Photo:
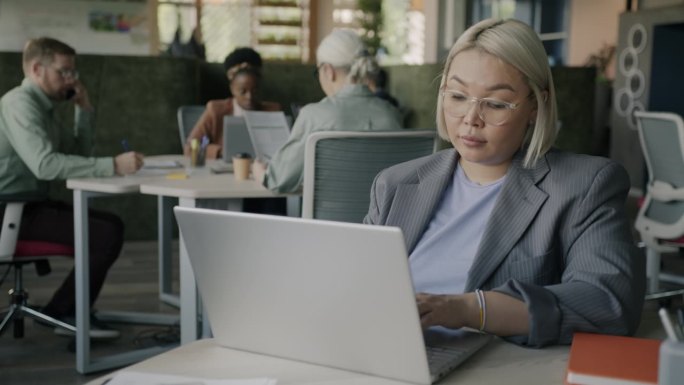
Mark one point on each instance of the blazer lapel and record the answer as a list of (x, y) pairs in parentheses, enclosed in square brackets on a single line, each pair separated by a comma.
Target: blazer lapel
[(416, 202), (516, 207)]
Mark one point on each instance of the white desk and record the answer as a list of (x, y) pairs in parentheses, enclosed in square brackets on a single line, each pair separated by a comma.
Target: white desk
[(83, 190), (498, 363), (203, 190)]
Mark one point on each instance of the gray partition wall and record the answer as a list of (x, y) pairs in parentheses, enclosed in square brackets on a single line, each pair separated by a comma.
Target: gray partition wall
[(136, 98)]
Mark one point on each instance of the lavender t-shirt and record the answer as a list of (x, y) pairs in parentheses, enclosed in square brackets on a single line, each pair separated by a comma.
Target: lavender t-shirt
[(441, 259)]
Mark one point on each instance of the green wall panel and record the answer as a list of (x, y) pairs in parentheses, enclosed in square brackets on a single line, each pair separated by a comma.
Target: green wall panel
[(416, 88), (575, 96)]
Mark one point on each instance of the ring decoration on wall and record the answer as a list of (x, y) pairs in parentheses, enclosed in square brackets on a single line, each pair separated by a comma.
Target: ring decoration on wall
[(626, 97), (631, 119), (628, 62), (637, 37), (623, 102), (636, 84)]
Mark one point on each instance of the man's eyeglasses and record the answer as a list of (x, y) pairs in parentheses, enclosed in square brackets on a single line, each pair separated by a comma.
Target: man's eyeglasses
[(67, 74), (492, 111)]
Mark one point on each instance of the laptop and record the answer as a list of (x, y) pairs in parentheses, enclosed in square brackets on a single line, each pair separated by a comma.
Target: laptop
[(236, 139), (329, 293)]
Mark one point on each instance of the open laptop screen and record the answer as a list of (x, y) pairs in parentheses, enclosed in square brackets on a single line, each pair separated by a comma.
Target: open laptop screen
[(236, 138), (329, 293)]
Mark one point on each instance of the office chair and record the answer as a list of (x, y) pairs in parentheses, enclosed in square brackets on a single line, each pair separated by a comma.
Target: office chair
[(660, 220), (187, 118), (340, 166), (17, 253)]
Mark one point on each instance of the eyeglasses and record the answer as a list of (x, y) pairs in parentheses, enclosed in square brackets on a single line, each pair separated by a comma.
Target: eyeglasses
[(492, 111), (67, 74), (318, 69)]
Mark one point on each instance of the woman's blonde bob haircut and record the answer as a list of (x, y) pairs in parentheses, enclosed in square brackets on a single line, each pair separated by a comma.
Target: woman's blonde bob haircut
[(517, 44)]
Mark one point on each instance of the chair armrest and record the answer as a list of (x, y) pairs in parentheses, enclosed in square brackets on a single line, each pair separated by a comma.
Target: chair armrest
[(665, 192), (13, 205)]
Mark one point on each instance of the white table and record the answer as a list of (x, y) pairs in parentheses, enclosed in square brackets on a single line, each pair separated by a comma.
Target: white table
[(202, 190), (498, 363), (83, 190)]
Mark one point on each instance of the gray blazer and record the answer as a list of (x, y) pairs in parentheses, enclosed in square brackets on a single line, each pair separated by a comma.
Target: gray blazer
[(557, 239)]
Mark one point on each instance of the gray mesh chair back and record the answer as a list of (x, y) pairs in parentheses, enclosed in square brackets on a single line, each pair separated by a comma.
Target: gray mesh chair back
[(660, 220), (662, 142), (187, 118), (340, 166)]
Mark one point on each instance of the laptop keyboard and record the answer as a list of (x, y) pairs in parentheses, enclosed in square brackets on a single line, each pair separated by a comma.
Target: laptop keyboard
[(442, 359)]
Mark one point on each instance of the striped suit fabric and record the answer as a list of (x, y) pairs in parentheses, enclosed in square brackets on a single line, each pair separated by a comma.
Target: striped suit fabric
[(557, 239)]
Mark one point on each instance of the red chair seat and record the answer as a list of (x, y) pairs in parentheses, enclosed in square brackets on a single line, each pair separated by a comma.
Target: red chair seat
[(39, 249)]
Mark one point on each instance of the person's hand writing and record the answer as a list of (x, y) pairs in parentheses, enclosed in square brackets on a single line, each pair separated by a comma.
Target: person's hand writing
[(128, 163), (451, 311), (258, 171)]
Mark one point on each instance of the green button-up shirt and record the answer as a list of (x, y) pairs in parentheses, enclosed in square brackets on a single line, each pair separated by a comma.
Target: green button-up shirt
[(29, 143)]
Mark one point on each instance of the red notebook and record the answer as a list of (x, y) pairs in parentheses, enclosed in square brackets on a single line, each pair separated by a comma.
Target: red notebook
[(598, 359)]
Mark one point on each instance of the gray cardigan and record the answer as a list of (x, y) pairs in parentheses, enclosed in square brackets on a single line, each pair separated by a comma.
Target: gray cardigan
[(353, 108), (557, 239)]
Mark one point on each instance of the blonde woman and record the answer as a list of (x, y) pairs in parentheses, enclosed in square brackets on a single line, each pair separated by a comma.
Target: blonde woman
[(343, 67), (506, 234)]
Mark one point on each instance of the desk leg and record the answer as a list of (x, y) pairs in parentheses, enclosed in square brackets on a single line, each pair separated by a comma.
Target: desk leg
[(81, 265), (84, 362), (294, 206), (164, 234), (188, 289)]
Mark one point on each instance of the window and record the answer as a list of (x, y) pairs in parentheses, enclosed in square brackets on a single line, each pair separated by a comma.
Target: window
[(401, 32), (548, 18), (278, 29)]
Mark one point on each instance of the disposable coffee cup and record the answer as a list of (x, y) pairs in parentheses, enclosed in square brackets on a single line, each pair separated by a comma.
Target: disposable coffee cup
[(241, 165)]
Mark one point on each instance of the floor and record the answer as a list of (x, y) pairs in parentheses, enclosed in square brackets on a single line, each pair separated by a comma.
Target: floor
[(42, 358)]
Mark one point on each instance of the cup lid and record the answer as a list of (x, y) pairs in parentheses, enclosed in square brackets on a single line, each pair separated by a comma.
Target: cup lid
[(242, 155)]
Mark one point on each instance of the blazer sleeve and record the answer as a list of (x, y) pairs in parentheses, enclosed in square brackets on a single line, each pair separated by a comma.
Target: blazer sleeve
[(602, 285), (373, 215)]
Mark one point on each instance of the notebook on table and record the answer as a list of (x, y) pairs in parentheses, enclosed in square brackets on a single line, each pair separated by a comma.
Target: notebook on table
[(328, 293), (599, 359)]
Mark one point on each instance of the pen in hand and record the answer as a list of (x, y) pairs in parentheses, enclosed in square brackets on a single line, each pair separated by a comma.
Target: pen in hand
[(124, 144)]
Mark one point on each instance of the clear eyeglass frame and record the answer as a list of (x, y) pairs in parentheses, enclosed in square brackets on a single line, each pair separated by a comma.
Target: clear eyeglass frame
[(67, 74), (492, 111)]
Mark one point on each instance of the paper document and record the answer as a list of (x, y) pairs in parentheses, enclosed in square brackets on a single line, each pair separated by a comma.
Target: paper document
[(145, 172), (164, 164), (139, 378), (268, 130)]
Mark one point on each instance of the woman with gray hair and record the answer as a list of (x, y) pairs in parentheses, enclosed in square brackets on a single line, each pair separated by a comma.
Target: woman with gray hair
[(343, 67), (507, 235)]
